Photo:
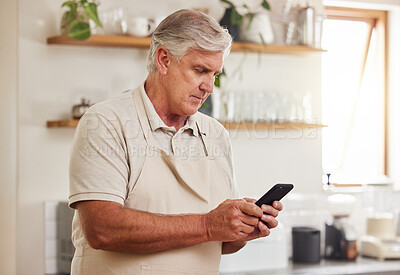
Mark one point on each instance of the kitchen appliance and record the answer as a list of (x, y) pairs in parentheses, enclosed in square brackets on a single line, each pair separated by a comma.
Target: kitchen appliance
[(380, 248), (380, 241), (266, 253), (340, 234), (381, 226), (306, 244)]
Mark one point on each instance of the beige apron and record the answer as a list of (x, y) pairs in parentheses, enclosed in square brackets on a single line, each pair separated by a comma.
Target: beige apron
[(166, 185)]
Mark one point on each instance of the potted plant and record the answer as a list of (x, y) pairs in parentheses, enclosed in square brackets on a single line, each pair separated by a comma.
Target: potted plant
[(239, 19), (75, 21)]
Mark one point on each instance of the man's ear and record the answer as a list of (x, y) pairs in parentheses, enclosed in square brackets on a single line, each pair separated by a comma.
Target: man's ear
[(163, 60)]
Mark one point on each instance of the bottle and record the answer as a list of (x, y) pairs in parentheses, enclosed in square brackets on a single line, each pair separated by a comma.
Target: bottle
[(306, 23)]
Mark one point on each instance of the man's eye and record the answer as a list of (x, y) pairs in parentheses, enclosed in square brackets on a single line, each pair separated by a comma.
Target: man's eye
[(200, 71)]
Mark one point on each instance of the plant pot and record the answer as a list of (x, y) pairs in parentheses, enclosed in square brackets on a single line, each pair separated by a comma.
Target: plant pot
[(259, 30)]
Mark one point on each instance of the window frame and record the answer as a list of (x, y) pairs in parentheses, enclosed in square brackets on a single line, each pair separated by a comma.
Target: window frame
[(377, 19)]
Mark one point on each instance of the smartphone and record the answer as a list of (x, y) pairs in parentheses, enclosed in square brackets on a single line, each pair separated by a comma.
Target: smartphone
[(276, 193)]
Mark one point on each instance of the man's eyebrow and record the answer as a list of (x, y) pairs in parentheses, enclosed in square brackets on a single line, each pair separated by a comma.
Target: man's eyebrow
[(202, 67), (206, 69)]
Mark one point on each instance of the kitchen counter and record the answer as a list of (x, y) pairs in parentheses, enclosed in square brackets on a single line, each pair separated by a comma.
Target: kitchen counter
[(361, 266)]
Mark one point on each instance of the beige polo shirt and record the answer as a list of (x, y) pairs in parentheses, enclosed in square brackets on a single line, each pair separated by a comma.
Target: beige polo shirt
[(109, 147)]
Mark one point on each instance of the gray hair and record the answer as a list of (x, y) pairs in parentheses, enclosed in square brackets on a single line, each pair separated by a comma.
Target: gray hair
[(188, 29)]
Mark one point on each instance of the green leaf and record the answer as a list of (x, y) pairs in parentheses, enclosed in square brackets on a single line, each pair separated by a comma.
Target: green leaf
[(79, 30), (67, 3), (265, 5), (70, 16), (246, 7), (91, 12), (205, 105), (217, 81), (262, 39), (74, 9), (229, 3), (251, 17), (236, 18), (73, 6), (73, 23)]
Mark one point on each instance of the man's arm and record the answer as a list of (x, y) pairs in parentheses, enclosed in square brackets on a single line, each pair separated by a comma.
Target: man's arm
[(110, 226)]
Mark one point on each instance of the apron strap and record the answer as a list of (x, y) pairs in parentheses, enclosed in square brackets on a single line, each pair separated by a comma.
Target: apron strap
[(143, 120)]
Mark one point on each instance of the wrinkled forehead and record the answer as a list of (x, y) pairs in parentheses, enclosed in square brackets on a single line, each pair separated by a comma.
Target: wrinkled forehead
[(209, 59)]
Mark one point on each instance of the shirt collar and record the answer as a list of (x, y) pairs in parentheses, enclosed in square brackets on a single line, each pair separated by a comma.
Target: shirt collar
[(156, 122)]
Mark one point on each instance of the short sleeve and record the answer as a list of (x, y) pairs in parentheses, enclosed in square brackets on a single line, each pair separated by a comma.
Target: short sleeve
[(99, 168)]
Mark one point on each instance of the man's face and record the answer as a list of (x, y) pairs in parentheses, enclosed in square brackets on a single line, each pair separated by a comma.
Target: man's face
[(190, 81)]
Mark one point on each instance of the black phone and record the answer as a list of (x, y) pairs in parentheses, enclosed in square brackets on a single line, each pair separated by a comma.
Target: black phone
[(276, 193)]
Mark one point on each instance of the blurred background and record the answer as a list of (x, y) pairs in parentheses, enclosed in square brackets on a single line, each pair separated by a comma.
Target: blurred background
[(309, 97)]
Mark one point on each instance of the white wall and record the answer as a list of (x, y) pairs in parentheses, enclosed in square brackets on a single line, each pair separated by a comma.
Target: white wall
[(8, 136), (53, 78)]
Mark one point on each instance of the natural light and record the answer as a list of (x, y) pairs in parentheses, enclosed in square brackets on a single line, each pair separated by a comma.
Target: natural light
[(353, 142)]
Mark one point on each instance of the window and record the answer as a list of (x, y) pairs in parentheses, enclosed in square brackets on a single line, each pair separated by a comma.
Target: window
[(354, 95)]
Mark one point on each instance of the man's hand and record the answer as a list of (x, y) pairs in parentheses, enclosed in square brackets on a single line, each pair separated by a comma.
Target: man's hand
[(232, 220), (267, 221), (260, 229)]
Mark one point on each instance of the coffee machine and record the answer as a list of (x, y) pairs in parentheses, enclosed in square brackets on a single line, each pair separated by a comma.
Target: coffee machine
[(340, 234)]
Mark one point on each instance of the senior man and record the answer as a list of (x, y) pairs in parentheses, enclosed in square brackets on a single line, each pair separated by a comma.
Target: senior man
[(150, 177)]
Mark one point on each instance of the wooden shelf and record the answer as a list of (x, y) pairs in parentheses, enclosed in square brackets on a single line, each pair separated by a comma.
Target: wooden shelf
[(126, 41), (69, 123), (273, 49), (269, 125), (103, 41), (144, 43), (72, 123)]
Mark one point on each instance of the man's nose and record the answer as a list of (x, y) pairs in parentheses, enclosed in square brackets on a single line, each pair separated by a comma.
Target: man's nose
[(207, 85)]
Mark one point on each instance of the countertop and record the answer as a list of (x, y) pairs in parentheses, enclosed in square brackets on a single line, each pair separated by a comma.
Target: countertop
[(361, 266)]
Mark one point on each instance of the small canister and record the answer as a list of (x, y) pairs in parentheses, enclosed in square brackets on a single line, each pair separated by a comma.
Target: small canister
[(306, 245), (80, 109)]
